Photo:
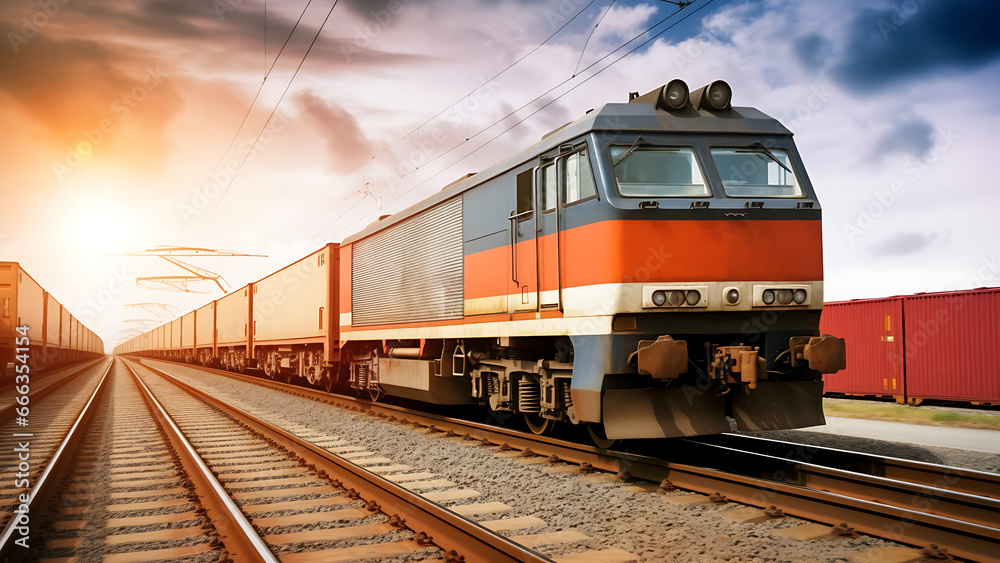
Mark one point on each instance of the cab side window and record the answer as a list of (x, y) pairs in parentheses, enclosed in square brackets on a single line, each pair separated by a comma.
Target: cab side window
[(547, 187), (578, 178)]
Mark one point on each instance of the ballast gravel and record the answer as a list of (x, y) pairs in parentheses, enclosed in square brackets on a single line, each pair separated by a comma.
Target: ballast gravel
[(650, 525)]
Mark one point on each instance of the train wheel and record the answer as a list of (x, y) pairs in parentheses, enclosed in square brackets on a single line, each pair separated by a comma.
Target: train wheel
[(596, 432), (537, 424)]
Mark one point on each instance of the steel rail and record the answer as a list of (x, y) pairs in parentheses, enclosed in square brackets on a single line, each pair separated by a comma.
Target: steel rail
[(916, 527), (44, 488), (9, 411), (235, 531), (956, 479), (449, 531), (902, 494), (44, 374)]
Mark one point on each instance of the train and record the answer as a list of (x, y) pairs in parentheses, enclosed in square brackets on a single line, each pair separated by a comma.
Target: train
[(645, 271), (942, 346), (36, 327)]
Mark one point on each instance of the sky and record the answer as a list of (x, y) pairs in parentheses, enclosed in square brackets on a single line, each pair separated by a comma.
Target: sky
[(272, 129)]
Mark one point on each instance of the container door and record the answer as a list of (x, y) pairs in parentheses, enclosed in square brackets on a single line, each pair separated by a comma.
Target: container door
[(523, 252)]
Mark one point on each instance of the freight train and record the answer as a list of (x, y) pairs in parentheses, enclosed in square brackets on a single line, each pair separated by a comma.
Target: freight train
[(49, 335), (929, 346), (644, 271)]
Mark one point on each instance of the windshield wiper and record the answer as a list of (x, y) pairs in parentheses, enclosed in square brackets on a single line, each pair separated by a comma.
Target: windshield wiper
[(759, 147), (635, 144)]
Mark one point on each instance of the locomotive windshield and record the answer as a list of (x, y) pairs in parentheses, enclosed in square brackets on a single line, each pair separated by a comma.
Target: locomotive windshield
[(756, 171), (657, 172)]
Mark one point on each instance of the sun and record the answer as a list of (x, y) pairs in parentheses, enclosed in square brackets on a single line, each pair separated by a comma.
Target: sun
[(98, 227)]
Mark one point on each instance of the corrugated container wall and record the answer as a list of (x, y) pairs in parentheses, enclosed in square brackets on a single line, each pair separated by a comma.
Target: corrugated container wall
[(873, 329), (411, 271), (953, 345)]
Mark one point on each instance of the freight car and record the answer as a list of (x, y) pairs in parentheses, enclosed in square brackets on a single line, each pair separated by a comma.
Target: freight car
[(645, 270), (55, 337), (943, 346)]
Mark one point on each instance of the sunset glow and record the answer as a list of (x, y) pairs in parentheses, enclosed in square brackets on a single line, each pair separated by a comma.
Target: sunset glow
[(122, 123)]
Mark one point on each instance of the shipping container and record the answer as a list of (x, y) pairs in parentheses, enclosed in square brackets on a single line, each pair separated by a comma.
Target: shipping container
[(953, 346), (290, 304), (295, 323), (66, 327), (232, 314), (187, 331), (205, 320), (175, 335), (872, 329), (53, 311)]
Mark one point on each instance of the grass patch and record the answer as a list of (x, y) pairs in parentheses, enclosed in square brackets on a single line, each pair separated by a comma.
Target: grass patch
[(909, 414)]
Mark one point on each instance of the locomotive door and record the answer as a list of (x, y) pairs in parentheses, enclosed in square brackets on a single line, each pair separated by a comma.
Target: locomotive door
[(547, 236), (523, 257)]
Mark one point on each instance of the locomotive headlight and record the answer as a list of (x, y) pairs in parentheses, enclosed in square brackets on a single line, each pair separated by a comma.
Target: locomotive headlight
[(732, 296), (674, 95), (799, 296), (715, 96), (767, 297), (676, 298), (659, 298), (784, 296), (693, 297)]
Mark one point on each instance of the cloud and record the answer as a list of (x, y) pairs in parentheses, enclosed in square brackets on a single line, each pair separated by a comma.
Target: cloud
[(913, 137), (912, 39), (813, 51), (83, 91), (347, 145), (903, 243)]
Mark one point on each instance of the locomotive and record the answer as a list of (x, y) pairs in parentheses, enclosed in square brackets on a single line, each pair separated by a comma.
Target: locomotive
[(644, 271)]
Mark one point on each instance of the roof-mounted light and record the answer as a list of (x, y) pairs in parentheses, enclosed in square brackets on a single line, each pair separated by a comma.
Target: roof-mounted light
[(673, 95), (716, 96)]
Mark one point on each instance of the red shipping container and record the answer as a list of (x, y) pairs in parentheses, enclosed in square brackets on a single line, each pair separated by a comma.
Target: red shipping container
[(953, 346), (873, 330)]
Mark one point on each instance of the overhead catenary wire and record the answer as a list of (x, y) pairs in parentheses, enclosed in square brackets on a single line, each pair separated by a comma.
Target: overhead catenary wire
[(455, 103), (550, 102), (587, 42), (470, 137), (225, 188)]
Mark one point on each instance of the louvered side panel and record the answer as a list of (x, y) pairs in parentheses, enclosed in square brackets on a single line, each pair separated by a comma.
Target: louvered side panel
[(412, 271)]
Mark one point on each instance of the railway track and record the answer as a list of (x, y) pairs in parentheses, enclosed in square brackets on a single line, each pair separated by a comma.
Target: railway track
[(28, 443), (908, 502), (206, 481)]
